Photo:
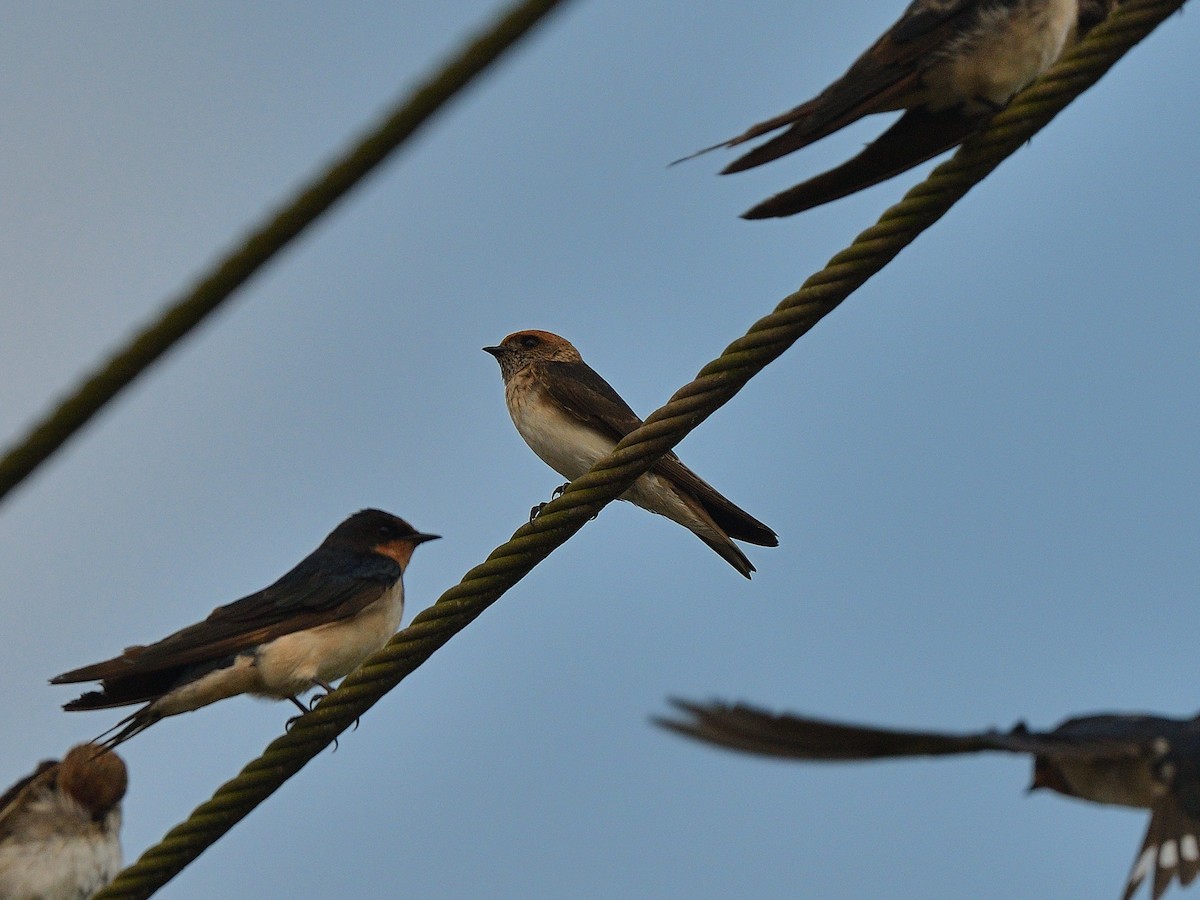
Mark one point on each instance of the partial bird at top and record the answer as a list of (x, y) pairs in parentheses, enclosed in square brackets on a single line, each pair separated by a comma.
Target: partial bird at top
[(949, 64)]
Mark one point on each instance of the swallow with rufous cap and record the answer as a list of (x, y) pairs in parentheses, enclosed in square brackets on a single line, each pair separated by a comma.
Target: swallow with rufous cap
[(570, 417)]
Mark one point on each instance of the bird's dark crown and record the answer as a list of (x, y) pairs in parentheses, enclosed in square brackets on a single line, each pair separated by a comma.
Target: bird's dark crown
[(371, 527)]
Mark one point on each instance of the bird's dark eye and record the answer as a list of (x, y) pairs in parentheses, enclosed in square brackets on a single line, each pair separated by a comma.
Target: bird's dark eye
[(385, 530), (529, 341)]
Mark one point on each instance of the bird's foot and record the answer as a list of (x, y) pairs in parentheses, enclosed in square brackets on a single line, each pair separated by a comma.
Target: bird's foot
[(536, 511), (287, 726), (326, 690)]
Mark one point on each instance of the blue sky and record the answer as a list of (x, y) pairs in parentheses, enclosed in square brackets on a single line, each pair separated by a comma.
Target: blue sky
[(982, 467)]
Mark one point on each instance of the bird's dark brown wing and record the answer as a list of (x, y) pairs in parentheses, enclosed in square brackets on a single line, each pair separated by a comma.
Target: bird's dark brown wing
[(742, 727), (915, 137), (590, 399), (328, 587), (731, 518), (884, 78)]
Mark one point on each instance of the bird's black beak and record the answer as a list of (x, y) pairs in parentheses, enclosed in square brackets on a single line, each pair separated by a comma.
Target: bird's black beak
[(495, 351), (420, 538)]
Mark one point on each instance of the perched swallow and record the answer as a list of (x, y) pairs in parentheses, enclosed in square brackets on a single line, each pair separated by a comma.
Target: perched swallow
[(570, 417), (60, 828), (1149, 762), (315, 624), (949, 64)]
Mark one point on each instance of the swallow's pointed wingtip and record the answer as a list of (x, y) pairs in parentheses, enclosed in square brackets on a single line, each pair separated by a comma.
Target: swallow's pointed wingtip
[(808, 195), (679, 726), (741, 164), (757, 214), (689, 718), (688, 706), (93, 672), (735, 557), (700, 152), (914, 138), (720, 543)]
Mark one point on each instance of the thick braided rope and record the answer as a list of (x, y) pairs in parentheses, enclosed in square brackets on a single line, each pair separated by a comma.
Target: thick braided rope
[(261, 245), (717, 382)]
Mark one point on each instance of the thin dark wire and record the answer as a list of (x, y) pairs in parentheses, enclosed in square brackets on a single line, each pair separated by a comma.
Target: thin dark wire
[(72, 413), (717, 382)]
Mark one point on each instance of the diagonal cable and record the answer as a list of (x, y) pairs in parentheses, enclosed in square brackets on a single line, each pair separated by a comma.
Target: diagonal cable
[(716, 383), (230, 273)]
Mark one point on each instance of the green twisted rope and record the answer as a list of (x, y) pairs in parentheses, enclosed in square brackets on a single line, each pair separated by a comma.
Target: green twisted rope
[(262, 244), (716, 383)]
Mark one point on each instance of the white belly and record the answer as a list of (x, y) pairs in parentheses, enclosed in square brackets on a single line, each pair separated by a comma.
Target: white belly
[(294, 663), (560, 441), (290, 665), (571, 448), (1010, 48)]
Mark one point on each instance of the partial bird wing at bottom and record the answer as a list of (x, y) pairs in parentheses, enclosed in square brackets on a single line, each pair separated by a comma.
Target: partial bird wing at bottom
[(1171, 849)]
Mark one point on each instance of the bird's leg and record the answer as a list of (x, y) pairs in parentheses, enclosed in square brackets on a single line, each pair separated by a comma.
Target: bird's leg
[(287, 726), (991, 104), (536, 511), (317, 698)]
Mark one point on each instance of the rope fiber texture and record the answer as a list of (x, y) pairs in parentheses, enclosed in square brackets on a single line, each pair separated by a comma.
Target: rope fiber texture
[(213, 289), (716, 384)]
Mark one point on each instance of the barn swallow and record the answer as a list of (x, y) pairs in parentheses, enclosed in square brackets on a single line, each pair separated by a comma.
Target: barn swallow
[(570, 417), (60, 827), (1149, 762), (949, 64), (315, 624)]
